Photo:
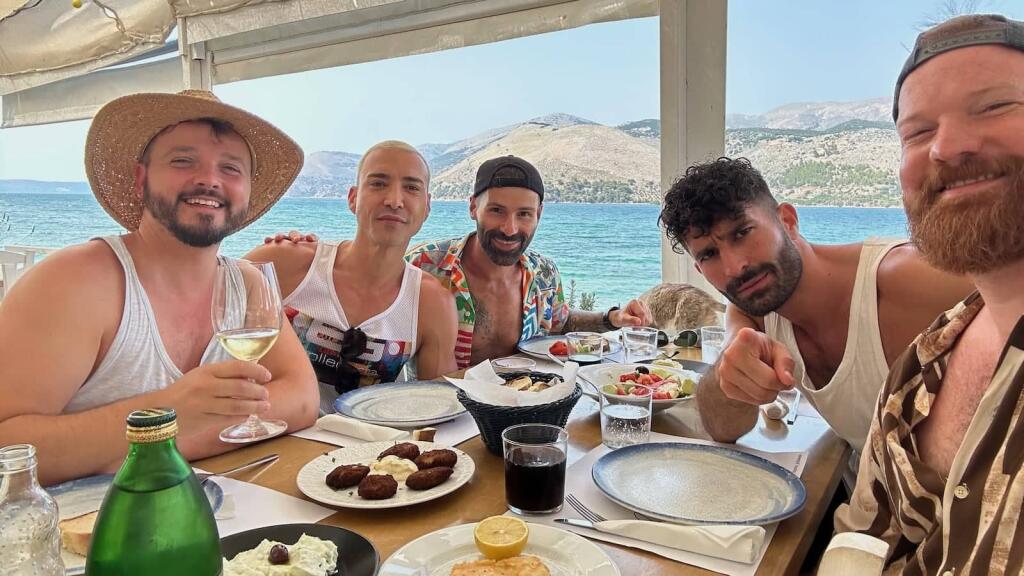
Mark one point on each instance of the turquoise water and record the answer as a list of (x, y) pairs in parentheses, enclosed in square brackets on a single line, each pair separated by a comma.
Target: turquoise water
[(610, 249)]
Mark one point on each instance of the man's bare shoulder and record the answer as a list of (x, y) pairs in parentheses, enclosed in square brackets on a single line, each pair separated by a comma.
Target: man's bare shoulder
[(78, 272), (434, 296), (906, 278)]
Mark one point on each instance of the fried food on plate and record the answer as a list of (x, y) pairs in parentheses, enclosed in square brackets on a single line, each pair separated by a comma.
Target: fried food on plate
[(406, 450), (378, 487), (514, 566), (427, 479), (347, 475), (436, 459)]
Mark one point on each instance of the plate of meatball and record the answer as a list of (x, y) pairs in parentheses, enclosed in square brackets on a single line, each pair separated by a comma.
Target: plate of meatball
[(385, 474)]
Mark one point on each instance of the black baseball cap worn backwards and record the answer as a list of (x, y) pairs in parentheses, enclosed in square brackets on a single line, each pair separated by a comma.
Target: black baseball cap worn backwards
[(528, 176), (959, 32)]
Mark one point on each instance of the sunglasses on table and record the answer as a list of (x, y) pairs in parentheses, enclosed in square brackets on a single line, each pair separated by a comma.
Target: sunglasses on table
[(353, 343), (685, 338)]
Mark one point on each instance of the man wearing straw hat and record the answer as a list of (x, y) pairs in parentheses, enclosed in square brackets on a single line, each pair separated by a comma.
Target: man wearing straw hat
[(121, 323)]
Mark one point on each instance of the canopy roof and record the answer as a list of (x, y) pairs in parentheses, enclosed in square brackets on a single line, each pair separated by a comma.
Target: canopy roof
[(58, 63)]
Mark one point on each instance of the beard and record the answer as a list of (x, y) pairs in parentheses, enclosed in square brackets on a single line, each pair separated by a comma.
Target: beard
[(787, 268), (497, 255), (201, 235), (974, 234)]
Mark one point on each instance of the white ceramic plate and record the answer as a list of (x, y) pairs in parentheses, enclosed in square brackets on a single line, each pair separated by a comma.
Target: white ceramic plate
[(312, 477), (698, 484), (564, 553), (538, 347), (402, 404), (603, 374)]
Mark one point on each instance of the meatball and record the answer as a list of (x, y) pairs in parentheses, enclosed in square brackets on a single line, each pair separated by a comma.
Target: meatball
[(378, 487), (347, 475), (427, 479), (436, 459), (406, 450)]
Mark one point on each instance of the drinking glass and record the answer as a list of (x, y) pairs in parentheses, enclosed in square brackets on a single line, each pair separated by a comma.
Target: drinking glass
[(585, 347), (535, 457), (712, 339), (626, 419), (640, 343), (247, 318)]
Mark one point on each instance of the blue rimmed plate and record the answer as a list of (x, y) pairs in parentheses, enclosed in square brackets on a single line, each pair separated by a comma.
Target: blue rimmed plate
[(698, 484), (402, 404)]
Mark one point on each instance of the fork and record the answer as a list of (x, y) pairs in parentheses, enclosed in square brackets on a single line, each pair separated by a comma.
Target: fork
[(204, 476), (582, 510)]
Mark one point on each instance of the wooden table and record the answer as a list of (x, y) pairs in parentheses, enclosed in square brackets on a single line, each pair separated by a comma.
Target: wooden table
[(484, 495)]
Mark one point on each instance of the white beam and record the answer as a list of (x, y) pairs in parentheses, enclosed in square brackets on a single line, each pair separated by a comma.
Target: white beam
[(196, 69), (693, 40)]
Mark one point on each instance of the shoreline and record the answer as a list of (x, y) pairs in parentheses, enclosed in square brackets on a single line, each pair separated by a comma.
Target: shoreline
[(457, 201)]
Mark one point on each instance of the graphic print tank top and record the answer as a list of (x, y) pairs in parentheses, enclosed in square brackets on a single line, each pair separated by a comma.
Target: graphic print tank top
[(319, 320)]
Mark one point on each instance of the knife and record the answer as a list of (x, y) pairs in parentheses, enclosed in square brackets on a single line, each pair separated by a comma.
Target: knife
[(736, 543)]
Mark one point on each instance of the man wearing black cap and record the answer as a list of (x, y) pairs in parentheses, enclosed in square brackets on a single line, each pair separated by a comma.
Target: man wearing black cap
[(941, 479), (505, 293)]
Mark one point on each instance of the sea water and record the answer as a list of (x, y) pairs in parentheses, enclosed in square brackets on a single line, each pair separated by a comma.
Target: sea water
[(621, 259)]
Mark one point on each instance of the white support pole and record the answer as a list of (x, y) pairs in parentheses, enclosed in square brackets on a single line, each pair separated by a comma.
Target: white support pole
[(693, 40), (196, 70)]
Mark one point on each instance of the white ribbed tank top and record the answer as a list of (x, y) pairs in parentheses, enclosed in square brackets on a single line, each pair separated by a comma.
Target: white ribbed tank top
[(137, 362), (318, 318), (847, 401)]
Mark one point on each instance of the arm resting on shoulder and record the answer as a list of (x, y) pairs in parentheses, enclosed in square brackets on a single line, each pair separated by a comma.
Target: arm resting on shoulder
[(725, 419)]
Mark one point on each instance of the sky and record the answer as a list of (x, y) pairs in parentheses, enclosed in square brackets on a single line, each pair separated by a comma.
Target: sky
[(779, 52)]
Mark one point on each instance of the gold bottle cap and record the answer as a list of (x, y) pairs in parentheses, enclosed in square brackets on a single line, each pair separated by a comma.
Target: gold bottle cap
[(152, 425)]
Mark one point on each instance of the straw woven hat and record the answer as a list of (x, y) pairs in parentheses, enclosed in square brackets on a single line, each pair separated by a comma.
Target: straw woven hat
[(124, 127)]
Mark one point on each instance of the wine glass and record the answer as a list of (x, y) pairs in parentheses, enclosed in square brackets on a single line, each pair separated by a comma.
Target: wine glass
[(246, 314)]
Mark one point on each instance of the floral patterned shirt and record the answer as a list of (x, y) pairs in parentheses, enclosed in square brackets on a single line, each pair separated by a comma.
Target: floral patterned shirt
[(544, 307)]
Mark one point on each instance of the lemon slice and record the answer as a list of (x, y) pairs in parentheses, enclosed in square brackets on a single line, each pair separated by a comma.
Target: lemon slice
[(500, 537)]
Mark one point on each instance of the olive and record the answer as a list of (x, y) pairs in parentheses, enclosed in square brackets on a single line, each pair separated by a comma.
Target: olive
[(642, 370), (278, 554)]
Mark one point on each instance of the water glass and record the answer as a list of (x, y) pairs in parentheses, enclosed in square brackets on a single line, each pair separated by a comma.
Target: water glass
[(640, 343), (712, 339), (535, 457), (585, 347), (626, 419)]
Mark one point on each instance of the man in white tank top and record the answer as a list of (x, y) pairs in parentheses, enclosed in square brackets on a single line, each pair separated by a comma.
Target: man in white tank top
[(829, 319), (360, 311), (123, 323)]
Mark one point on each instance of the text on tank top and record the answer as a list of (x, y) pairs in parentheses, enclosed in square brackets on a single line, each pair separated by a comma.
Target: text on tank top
[(137, 361), (847, 401), (319, 320)]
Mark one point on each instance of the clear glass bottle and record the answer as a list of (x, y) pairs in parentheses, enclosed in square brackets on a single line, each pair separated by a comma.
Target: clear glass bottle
[(29, 538), (155, 519)]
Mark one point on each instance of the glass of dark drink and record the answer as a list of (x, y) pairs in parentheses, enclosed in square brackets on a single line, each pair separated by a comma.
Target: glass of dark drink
[(535, 457)]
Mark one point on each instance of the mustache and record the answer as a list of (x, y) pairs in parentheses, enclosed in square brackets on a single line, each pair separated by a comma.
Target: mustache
[(938, 179), (753, 272)]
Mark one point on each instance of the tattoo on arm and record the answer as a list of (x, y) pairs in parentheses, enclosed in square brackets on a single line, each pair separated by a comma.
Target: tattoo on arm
[(583, 321)]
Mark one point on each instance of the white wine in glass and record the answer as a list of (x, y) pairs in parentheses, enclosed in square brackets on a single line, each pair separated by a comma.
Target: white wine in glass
[(247, 318)]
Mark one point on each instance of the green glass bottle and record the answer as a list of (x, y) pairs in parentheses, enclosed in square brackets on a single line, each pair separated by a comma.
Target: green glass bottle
[(155, 519)]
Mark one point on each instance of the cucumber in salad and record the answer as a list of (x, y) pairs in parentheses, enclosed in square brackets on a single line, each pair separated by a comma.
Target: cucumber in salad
[(662, 384)]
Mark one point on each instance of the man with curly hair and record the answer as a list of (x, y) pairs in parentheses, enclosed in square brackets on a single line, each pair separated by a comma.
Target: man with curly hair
[(827, 319)]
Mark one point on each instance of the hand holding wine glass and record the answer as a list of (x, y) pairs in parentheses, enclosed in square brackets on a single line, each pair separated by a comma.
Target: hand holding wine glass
[(247, 319)]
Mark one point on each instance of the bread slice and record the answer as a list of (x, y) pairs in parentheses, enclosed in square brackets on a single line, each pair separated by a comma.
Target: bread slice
[(76, 533)]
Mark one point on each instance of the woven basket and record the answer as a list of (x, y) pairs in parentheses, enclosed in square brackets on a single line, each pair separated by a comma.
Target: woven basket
[(493, 420)]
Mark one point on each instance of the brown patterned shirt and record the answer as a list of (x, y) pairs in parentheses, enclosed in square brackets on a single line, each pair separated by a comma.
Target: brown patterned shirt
[(969, 523)]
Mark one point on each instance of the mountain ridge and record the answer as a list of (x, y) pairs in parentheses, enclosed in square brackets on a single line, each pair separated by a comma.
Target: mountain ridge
[(824, 153)]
